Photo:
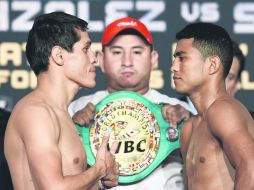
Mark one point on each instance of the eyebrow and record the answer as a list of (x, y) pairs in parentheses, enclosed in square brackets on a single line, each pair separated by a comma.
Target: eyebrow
[(88, 43), (114, 47), (179, 53), (138, 47)]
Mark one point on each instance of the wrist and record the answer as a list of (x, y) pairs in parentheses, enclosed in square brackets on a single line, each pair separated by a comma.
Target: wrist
[(100, 169)]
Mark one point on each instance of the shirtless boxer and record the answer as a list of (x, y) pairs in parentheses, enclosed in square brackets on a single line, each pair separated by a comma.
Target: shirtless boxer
[(42, 147), (217, 144)]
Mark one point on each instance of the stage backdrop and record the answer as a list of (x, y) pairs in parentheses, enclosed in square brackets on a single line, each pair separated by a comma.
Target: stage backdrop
[(163, 17)]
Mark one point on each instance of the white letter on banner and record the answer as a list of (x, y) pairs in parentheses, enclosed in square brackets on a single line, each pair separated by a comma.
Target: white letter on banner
[(4, 18), (24, 21), (190, 14), (154, 9), (64, 6), (84, 13), (210, 12), (244, 16), (117, 9)]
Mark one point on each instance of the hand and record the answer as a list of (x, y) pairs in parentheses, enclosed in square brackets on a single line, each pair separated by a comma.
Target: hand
[(175, 114), (106, 160), (84, 116), (109, 183)]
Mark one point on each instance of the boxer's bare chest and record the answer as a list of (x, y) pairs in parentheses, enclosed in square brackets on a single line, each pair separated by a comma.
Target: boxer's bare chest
[(71, 148)]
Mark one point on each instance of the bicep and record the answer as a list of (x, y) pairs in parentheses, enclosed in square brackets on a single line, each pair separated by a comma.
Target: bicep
[(40, 139), (229, 127)]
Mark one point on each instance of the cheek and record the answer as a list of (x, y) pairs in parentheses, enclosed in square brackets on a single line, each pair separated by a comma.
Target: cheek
[(111, 66), (192, 69), (192, 76), (83, 61), (79, 65), (143, 63)]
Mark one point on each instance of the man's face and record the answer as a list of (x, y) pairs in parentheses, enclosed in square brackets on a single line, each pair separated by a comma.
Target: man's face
[(127, 64), (232, 80), (80, 62), (187, 67)]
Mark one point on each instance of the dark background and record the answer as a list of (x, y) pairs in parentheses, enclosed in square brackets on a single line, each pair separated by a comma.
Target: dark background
[(163, 18)]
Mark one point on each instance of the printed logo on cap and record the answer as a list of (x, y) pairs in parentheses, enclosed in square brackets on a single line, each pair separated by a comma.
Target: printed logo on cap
[(131, 23)]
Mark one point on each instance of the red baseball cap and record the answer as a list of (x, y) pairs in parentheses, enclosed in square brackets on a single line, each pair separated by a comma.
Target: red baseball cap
[(122, 24)]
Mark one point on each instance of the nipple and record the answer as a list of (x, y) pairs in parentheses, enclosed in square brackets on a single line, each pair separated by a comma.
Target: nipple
[(202, 159), (76, 161)]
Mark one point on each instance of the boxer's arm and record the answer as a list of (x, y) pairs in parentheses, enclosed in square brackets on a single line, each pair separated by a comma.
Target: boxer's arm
[(40, 136), (174, 114), (228, 123), (185, 136), (84, 116)]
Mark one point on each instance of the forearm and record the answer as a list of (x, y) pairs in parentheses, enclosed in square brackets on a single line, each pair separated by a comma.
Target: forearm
[(87, 180)]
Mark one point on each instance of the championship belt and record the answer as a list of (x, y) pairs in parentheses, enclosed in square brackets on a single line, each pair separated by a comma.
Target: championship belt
[(140, 129)]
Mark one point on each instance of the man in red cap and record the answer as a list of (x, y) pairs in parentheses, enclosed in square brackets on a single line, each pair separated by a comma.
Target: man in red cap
[(127, 59)]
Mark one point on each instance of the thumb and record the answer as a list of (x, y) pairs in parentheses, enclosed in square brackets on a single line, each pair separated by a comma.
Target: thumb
[(114, 147), (105, 140)]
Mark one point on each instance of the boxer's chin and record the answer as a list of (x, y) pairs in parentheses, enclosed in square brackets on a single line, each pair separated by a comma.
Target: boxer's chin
[(88, 84)]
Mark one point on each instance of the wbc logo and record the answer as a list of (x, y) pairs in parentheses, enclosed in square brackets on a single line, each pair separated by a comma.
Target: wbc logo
[(135, 128)]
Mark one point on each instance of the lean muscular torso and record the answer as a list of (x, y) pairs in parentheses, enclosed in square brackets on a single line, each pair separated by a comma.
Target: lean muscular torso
[(63, 142), (206, 164)]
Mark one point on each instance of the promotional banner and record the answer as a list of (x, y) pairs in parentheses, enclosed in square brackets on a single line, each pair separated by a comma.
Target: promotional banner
[(163, 18)]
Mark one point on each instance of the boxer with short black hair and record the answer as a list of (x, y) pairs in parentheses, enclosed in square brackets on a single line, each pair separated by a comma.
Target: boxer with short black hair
[(217, 144), (42, 147)]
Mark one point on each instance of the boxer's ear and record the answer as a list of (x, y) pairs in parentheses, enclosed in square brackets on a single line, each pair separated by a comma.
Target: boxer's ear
[(214, 64), (57, 55)]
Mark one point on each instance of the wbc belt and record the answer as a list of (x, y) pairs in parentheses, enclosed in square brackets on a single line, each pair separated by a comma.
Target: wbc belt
[(138, 126)]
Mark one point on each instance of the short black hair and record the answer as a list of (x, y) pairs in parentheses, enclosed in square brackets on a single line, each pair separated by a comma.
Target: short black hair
[(210, 39), (56, 28)]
